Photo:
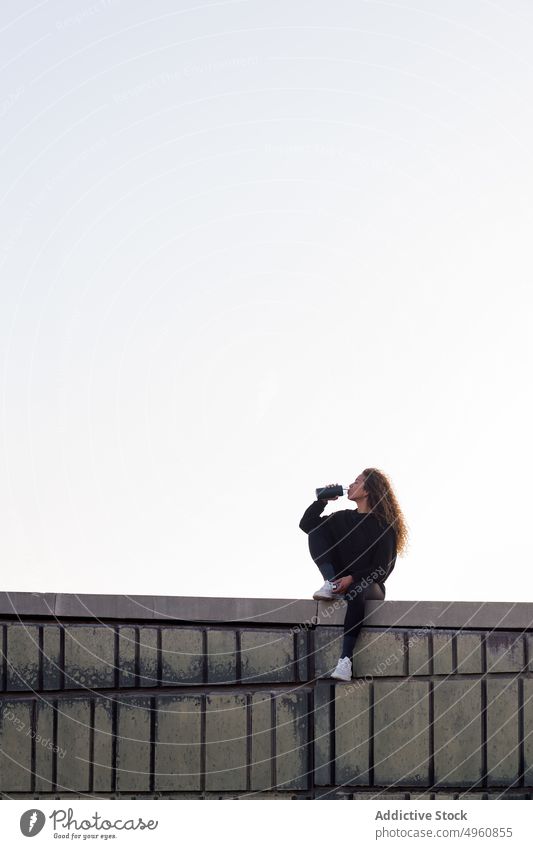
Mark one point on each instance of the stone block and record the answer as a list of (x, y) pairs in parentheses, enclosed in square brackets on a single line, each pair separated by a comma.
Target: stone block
[(267, 656), (503, 745), (226, 742), (133, 744), (23, 657), (182, 659), (104, 606), (469, 653), (303, 651), (261, 759), (323, 716), (126, 655), (418, 652), (528, 731), (215, 609), (338, 794), (457, 732), (505, 652), (27, 604), (73, 738), (401, 732), (15, 746), (292, 741), (51, 658), (502, 795), (221, 656), (103, 744), (442, 652), (352, 732), (44, 746), (529, 638), (379, 653), (3, 670), (326, 649), (89, 656), (148, 657), (381, 795), (178, 743)]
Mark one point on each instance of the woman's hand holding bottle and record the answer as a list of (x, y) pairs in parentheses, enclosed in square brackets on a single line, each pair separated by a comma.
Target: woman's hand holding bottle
[(332, 498)]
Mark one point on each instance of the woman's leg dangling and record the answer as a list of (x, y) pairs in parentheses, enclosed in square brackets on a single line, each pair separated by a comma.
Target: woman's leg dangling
[(355, 614)]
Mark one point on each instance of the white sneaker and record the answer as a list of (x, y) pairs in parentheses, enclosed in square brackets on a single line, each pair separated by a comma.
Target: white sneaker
[(326, 592), (343, 670)]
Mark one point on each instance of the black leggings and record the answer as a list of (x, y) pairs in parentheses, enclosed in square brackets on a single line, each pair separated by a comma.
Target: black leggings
[(322, 550)]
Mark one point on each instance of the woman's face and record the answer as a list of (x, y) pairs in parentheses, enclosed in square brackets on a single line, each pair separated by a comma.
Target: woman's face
[(357, 488)]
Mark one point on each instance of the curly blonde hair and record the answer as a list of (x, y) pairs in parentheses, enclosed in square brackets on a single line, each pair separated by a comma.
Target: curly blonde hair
[(384, 505)]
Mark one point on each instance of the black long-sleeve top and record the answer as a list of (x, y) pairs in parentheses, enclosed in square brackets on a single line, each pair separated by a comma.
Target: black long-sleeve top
[(363, 547)]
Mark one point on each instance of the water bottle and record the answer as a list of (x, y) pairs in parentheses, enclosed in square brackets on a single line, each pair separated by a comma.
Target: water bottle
[(327, 492)]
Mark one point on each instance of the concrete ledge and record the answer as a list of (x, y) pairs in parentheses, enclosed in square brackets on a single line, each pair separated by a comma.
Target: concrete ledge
[(438, 614), (158, 608)]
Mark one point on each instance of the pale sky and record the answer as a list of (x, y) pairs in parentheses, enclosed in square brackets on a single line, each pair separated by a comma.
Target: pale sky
[(248, 249)]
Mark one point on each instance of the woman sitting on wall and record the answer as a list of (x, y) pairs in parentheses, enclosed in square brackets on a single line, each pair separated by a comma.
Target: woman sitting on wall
[(355, 551)]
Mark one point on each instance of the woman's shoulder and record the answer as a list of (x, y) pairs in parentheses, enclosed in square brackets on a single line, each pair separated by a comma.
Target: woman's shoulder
[(345, 518), (343, 514), (385, 528)]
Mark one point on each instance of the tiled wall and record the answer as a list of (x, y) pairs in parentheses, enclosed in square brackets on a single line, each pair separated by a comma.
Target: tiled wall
[(156, 709)]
